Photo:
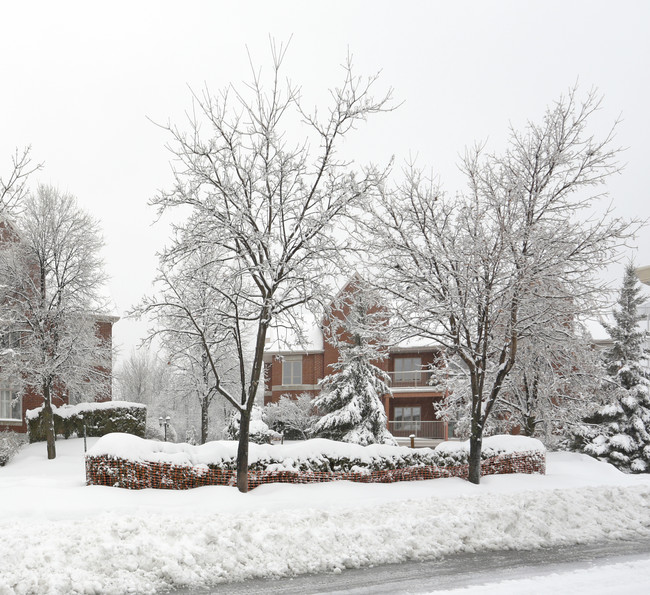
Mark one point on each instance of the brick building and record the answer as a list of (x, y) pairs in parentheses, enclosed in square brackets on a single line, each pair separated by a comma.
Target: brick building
[(294, 367), (13, 406)]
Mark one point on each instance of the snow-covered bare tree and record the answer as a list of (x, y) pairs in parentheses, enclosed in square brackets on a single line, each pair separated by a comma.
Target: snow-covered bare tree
[(546, 395), (619, 431), (350, 402), (52, 275), (13, 188), (292, 417), (191, 316), (267, 203), (487, 269), (141, 377)]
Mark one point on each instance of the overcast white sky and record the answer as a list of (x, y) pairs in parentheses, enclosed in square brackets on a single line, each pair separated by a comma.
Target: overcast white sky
[(80, 80)]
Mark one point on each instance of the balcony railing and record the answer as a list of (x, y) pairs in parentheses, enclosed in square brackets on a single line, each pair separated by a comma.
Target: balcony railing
[(410, 379), (434, 430)]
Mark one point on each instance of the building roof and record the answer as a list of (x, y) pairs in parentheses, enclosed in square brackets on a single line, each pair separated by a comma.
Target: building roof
[(643, 273), (304, 335)]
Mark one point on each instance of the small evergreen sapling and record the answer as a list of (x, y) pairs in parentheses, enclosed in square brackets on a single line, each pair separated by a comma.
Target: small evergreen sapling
[(621, 428), (350, 401)]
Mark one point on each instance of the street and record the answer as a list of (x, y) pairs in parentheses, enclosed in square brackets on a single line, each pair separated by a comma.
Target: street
[(455, 571)]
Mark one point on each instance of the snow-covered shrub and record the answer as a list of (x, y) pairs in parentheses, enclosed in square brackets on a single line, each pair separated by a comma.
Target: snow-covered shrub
[(258, 431), (98, 418), (191, 436), (316, 455), (10, 444), (291, 417)]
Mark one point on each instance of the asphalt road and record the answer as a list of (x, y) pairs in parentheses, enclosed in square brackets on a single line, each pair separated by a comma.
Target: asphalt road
[(458, 570)]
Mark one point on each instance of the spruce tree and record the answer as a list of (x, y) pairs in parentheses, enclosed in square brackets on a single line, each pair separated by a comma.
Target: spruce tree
[(621, 431), (350, 399)]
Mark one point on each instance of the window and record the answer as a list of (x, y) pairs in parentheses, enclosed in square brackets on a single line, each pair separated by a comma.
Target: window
[(408, 369), (408, 418), (10, 340), (9, 404), (292, 371)]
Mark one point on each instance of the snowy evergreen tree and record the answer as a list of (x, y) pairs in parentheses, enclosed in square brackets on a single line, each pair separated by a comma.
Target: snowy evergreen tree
[(620, 432), (350, 401)]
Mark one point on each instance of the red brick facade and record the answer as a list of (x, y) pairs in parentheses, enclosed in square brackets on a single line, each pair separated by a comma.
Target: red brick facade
[(410, 388)]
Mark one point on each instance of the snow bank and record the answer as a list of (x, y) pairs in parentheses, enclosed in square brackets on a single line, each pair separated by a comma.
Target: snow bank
[(147, 553), (100, 540)]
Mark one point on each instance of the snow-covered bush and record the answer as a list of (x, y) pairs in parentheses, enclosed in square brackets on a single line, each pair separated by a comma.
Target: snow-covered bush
[(316, 455), (98, 418), (10, 444), (259, 431), (291, 417)]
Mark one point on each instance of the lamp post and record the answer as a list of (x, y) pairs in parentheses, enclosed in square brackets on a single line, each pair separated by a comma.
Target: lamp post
[(163, 423)]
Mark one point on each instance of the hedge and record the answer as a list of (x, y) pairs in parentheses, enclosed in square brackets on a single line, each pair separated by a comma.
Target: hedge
[(99, 419), (128, 462)]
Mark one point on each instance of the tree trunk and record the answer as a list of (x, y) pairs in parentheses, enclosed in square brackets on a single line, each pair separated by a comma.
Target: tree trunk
[(242, 452), (475, 443), (48, 422), (204, 420), (530, 423)]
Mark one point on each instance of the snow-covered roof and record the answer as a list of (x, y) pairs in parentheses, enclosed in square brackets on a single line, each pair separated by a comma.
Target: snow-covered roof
[(414, 344), (303, 336), (594, 326)]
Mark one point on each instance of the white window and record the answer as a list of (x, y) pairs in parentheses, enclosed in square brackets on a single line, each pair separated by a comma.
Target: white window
[(408, 418), (9, 404), (292, 370), (408, 369), (10, 340)]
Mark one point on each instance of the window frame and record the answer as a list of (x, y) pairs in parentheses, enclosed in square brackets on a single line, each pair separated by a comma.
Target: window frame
[(407, 374), (292, 374), (13, 405), (407, 417), (10, 339)]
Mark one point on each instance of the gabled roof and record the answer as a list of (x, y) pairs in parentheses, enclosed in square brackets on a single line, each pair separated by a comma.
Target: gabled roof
[(285, 339)]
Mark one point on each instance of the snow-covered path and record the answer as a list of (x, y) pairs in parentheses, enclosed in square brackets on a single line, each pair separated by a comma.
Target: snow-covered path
[(60, 536)]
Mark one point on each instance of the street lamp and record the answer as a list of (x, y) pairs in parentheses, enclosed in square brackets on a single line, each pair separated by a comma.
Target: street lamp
[(163, 423)]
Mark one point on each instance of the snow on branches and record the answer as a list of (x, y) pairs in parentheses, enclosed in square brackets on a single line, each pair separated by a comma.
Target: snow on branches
[(350, 399), (619, 431)]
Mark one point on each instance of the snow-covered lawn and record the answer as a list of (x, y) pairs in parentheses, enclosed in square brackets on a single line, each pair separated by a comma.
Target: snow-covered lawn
[(60, 536)]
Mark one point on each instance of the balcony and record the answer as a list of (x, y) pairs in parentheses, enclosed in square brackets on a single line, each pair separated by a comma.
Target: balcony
[(411, 379), (431, 430)]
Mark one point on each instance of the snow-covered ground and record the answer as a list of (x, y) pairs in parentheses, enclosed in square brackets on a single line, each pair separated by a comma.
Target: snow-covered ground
[(60, 536)]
